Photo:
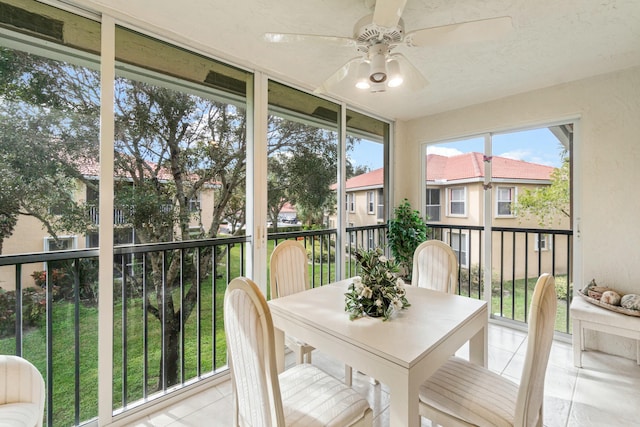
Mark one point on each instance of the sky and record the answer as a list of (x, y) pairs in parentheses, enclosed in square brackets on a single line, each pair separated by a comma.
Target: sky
[(536, 146)]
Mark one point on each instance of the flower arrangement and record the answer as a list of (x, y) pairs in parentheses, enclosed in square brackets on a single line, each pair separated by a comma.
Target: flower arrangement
[(379, 291)]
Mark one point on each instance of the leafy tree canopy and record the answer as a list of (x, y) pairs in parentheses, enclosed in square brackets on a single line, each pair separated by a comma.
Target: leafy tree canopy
[(550, 203)]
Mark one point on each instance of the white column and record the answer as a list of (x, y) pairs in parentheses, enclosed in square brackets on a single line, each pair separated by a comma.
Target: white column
[(257, 115), (487, 221), (105, 272), (341, 226)]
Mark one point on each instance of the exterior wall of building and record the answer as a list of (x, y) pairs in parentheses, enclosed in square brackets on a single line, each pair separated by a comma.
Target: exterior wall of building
[(362, 216), (31, 236), (506, 255)]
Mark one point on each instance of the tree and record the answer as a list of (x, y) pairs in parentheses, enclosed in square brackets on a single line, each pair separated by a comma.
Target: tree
[(549, 203), (312, 171), (44, 134), (302, 167), (169, 146), (355, 170), (278, 184)]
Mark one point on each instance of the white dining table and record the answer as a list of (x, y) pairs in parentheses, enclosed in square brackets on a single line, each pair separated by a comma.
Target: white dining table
[(401, 352)]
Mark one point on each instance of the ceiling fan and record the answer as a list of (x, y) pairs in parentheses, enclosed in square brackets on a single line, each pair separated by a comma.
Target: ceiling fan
[(378, 34)]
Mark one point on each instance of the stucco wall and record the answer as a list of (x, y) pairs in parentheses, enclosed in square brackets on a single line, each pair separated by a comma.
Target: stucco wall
[(607, 168)]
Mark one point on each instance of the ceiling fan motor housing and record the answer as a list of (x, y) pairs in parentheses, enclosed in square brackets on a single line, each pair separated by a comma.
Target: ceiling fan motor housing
[(368, 33)]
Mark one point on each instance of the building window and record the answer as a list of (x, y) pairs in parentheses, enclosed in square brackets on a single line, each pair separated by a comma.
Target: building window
[(542, 242), (433, 204), (352, 235), (371, 202), (194, 203), (457, 201), (380, 204), (63, 243), (459, 242), (505, 199), (350, 202)]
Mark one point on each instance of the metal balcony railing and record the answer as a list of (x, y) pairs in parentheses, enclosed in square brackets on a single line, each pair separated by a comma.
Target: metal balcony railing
[(519, 256), (167, 305)]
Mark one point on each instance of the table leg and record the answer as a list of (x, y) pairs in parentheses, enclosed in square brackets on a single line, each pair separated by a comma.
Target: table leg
[(279, 344), (479, 348), (404, 405)]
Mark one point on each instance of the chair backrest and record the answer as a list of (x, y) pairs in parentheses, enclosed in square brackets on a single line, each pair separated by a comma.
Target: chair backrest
[(289, 269), (250, 342), (21, 382), (542, 318), (435, 266)]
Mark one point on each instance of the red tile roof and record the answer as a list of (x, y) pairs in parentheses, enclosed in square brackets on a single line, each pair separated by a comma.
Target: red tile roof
[(90, 168), (369, 179), (463, 166), (471, 165)]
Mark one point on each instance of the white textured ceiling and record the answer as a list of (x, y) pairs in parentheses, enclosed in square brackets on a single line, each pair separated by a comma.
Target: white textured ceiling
[(552, 42)]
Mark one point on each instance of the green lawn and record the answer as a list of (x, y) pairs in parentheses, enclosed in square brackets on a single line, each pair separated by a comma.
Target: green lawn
[(514, 308)]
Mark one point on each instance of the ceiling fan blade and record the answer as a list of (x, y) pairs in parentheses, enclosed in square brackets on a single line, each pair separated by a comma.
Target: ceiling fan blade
[(413, 78), (297, 38), (471, 31), (388, 12), (338, 76)]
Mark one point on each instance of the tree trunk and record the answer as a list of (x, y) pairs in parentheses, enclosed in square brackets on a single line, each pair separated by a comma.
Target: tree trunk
[(171, 358)]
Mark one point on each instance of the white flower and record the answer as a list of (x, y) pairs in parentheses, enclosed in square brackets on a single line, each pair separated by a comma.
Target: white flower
[(366, 292), (382, 258), (378, 302), (389, 275), (397, 303), (400, 283)]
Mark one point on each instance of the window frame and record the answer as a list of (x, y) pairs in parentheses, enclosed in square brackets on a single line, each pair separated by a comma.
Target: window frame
[(453, 236), (67, 238), (546, 242), (450, 200), (371, 203), (350, 205), (429, 206), (514, 195)]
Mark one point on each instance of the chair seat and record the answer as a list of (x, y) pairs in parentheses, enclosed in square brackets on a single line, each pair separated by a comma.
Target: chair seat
[(471, 393), (19, 414), (311, 397)]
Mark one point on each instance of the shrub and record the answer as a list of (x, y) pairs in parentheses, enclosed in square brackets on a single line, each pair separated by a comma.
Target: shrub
[(34, 308), (318, 253), (62, 280), (406, 231)]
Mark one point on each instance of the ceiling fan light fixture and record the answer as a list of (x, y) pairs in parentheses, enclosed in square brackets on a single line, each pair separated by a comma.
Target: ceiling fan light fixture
[(362, 81), (395, 77), (378, 87), (378, 68)]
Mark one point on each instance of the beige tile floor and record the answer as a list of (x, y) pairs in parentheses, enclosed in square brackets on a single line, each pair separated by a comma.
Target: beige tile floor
[(605, 392)]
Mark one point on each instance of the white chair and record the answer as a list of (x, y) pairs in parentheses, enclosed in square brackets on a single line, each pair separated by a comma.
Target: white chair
[(289, 274), (22, 393), (435, 266), (302, 395), (464, 394)]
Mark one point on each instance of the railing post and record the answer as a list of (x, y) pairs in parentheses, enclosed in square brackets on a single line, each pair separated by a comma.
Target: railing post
[(18, 309)]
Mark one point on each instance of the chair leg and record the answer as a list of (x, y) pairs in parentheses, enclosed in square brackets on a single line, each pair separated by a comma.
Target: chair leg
[(348, 375), (540, 417), (307, 357)]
